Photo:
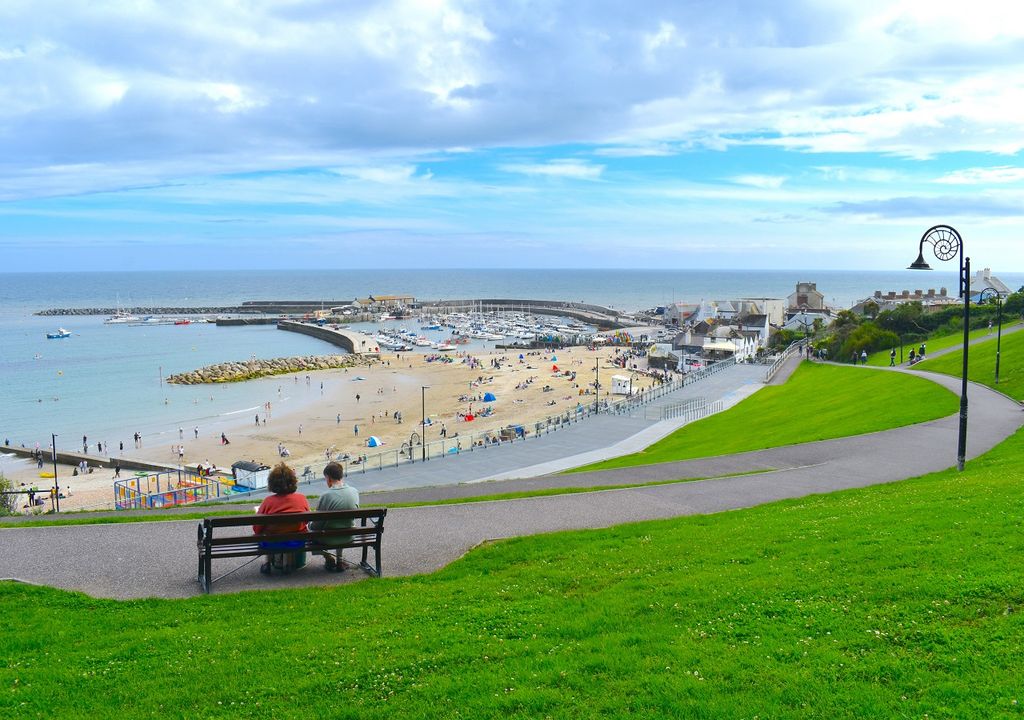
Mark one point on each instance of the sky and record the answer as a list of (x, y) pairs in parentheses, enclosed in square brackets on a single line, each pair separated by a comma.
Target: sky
[(445, 133)]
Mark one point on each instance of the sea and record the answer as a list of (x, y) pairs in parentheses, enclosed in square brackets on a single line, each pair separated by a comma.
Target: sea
[(106, 382)]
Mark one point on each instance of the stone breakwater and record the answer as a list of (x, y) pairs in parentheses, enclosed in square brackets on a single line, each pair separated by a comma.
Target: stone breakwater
[(205, 310), (251, 369)]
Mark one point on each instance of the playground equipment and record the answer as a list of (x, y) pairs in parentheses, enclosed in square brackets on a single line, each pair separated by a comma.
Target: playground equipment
[(167, 488)]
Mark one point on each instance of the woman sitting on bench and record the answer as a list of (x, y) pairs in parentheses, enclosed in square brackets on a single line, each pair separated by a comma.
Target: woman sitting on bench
[(282, 482)]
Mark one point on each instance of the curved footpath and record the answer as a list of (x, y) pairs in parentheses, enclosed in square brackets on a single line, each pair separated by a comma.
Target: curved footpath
[(159, 559)]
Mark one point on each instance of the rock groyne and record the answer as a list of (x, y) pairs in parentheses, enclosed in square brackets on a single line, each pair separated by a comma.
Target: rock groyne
[(205, 310), (252, 369)]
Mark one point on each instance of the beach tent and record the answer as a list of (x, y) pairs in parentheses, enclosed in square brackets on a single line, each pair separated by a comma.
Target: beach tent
[(521, 356), (554, 368), (374, 441), (489, 397), (554, 358)]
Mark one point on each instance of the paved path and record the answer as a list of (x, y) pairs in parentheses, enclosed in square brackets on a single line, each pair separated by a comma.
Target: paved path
[(158, 559)]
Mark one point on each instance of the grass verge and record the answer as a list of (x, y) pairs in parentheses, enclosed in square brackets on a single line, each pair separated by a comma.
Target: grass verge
[(900, 600), (933, 344), (819, 402), (981, 364)]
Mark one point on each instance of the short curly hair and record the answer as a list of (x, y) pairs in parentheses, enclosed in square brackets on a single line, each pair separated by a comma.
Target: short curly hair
[(282, 480)]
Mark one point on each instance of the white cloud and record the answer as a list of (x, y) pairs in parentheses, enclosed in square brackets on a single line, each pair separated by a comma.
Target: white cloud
[(983, 176), (767, 182), (391, 175), (573, 169)]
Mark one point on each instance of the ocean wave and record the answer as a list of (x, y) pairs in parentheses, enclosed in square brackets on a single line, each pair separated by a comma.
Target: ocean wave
[(236, 412)]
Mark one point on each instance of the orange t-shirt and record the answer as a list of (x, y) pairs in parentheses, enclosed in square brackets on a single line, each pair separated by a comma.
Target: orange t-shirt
[(274, 504)]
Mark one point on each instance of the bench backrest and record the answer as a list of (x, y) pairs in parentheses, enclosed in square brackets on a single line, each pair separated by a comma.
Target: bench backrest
[(376, 515)]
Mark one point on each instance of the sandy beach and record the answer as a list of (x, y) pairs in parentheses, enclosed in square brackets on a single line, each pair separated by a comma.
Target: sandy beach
[(338, 410)]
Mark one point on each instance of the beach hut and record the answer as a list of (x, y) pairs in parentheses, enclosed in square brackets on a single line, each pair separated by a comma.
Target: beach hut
[(374, 441), (621, 385), (489, 397), (250, 474)]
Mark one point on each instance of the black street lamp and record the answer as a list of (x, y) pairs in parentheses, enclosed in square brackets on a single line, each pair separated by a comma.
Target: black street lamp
[(597, 382), (986, 294), (56, 482), (946, 244), (423, 422)]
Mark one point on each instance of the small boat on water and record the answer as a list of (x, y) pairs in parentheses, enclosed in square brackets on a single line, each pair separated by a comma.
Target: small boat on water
[(185, 321), (61, 333), (121, 317)]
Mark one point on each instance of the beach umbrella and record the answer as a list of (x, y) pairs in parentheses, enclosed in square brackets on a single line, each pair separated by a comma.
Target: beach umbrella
[(489, 397), (374, 441)]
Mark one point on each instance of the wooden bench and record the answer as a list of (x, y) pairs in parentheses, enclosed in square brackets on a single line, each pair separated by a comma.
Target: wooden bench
[(364, 534)]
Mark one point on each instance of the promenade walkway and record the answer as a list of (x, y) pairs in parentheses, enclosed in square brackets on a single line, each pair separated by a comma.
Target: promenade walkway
[(158, 559)]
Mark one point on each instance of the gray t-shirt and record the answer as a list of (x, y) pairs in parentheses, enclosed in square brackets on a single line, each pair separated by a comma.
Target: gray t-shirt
[(345, 497)]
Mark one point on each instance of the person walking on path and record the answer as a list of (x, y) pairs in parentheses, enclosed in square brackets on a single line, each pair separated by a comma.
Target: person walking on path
[(863, 357), (892, 358)]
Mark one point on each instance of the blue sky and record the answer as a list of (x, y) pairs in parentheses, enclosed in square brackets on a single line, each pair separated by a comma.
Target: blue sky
[(439, 133)]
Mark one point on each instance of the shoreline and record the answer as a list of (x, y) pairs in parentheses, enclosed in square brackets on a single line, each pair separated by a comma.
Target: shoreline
[(385, 386)]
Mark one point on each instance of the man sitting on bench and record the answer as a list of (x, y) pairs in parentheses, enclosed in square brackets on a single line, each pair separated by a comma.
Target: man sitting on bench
[(339, 496), (282, 482)]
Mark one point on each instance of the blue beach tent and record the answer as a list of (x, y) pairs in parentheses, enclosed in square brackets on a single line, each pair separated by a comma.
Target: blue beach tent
[(489, 397)]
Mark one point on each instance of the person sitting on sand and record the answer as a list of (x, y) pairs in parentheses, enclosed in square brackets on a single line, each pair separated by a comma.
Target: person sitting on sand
[(283, 484), (339, 496)]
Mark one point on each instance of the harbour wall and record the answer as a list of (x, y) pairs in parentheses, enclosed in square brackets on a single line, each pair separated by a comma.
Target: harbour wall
[(354, 342)]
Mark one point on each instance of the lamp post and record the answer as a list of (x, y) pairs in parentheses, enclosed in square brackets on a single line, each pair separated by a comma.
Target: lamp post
[(53, 455), (597, 382), (946, 244), (423, 422), (993, 293)]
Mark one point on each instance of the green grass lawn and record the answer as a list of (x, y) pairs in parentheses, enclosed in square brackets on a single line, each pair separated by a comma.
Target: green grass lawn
[(817, 403), (881, 358), (901, 600), (981, 360)]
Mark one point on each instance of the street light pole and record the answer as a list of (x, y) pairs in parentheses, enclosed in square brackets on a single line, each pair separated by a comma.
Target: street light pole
[(423, 422), (597, 382), (946, 244), (993, 293), (56, 482)]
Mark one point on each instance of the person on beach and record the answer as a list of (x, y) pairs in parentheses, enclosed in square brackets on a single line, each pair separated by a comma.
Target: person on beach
[(117, 469), (339, 496), (283, 484), (224, 439), (355, 430), (195, 431)]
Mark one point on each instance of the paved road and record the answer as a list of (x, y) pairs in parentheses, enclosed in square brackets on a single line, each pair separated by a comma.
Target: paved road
[(158, 559)]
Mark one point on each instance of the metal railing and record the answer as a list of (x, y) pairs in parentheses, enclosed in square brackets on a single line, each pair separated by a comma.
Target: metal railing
[(786, 354)]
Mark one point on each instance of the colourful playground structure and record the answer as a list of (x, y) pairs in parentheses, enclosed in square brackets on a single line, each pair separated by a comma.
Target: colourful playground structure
[(147, 490)]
